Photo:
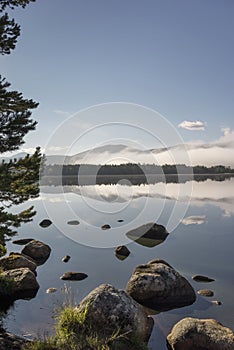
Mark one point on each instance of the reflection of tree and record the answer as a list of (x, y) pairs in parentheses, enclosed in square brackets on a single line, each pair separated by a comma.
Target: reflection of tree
[(18, 183)]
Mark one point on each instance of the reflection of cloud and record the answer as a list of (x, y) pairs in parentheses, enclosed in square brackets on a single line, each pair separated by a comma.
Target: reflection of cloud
[(189, 125), (194, 220)]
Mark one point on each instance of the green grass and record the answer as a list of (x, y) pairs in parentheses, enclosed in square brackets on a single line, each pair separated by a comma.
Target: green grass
[(72, 333)]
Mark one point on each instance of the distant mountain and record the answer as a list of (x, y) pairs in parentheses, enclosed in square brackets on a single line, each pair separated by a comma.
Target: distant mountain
[(15, 156), (208, 154)]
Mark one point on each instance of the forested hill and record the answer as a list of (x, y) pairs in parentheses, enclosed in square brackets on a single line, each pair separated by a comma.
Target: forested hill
[(132, 169)]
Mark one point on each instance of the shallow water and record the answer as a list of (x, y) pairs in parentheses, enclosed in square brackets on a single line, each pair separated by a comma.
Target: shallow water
[(198, 215)]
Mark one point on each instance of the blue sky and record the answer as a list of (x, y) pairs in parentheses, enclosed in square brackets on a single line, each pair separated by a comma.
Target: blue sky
[(176, 57)]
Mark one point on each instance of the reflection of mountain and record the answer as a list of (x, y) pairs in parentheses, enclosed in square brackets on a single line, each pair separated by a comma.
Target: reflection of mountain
[(219, 194)]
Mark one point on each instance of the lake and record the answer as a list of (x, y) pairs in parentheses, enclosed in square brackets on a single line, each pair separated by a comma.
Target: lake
[(198, 215)]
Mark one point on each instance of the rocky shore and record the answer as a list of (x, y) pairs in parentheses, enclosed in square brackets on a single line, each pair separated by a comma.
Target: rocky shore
[(107, 310)]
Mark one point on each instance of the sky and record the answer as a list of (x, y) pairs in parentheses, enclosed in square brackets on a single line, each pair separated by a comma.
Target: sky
[(172, 57)]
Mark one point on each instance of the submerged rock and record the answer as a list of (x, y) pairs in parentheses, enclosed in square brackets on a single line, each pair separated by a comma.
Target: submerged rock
[(106, 227), (197, 334), (200, 278), (107, 308), (66, 258), (15, 261), (45, 223), (23, 241), (73, 276), (73, 222), (148, 235), (122, 252), (159, 286), (38, 251), (206, 292), (19, 284)]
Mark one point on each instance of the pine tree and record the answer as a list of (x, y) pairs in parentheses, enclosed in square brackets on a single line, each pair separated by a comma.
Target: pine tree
[(15, 115), (18, 179)]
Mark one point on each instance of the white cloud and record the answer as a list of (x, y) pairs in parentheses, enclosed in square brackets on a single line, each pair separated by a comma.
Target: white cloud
[(62, 113), (194, 220), (192, 125)]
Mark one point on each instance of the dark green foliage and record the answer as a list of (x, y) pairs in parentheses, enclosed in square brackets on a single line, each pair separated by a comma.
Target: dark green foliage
[(13, 3), (15, 115), (9, 32), (19, 181)]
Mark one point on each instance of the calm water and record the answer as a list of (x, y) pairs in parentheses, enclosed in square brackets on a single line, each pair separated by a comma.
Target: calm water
[(198, 215)]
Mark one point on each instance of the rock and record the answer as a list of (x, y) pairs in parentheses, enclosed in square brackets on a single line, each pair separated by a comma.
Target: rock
[(216, 302), (38, 251), (107, 308), (45, 223), (159, 286), (73, 222), (73, 276), (19, 284), (148, 235), (197, 334), (51, 290), (122, 252), (120, 220), (66, 258), (9, 341), (206, 292), (23, 241), (200, 278), (105, 227), (15, 261)]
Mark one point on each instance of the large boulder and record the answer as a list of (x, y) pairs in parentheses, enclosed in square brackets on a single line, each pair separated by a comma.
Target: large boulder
[(111, 310), (18, 284), (15, 261), (159, 286), (38, 251), (148, 235), (196, 334)]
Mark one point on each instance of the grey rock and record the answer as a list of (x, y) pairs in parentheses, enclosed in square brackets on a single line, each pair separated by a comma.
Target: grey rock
[(216, 302), (73, 222), (38, 251), (110, 309), (66, 258), (105, 227), (159, 286), (73, 276), (15, 261), (45, 223), (148, 235), (122, 252), (51, 290), (197, 334), (206, 292), (200, 278), (19, 283)]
